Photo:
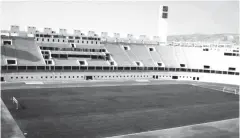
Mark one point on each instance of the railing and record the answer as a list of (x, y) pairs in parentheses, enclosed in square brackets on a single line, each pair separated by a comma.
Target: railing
[(12, 69)]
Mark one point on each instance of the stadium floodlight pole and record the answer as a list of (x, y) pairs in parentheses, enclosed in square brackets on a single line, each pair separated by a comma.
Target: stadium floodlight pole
[(162, 24)]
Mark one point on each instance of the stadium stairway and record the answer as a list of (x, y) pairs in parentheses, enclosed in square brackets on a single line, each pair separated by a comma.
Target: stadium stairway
[(118, 56), (155, 56), (131, 55), (143, 55)]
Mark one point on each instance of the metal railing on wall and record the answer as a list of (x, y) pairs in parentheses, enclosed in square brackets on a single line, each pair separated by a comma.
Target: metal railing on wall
[(12, 69)]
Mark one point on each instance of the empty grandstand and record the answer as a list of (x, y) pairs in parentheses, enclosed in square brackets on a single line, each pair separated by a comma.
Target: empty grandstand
[(179, 80)]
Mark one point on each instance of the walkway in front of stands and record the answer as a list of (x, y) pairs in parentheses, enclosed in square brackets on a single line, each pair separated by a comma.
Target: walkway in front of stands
[(225, 129), (99, 83), (91, 83), (9, 127)]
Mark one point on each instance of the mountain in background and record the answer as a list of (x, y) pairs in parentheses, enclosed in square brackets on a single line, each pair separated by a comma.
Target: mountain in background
[(225, 38)]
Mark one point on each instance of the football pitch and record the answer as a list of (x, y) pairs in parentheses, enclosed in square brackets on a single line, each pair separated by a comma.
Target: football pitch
[(116, 110)]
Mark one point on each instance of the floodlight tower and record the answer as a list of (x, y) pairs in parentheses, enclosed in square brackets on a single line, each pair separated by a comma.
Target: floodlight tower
[(162, 23)]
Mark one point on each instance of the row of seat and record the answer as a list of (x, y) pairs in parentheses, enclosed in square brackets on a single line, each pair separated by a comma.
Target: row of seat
[(26, 51), (143, 55), (118, 55)]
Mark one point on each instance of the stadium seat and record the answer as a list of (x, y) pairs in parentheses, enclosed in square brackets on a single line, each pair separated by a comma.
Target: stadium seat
[(194, 57), (180, 55), (143, 55), (118, 55), (27, 52), (24, 50), (168, 57), (8, 51), (155, 55), (131, 55)]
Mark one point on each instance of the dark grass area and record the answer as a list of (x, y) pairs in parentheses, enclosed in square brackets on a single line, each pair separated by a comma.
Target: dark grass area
[(116, 110)]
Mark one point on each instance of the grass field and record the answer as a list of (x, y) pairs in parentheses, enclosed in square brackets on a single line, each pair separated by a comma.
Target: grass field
[(116, 110)]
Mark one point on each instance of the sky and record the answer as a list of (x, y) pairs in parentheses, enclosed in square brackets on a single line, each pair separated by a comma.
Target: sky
[(137, 18)]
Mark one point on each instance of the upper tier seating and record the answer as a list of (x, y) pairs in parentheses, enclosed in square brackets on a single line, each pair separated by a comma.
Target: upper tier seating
[(232, 62), (168, 57), (25, 50), (143, 55), (118, 55), (27, 53), (131, 56), (217, 61), (8, 51), (155, 56), (32, 55), (180, 56), (196, 58)]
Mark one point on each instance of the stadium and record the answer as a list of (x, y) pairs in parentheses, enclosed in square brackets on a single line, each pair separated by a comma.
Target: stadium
[(61, 85)]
